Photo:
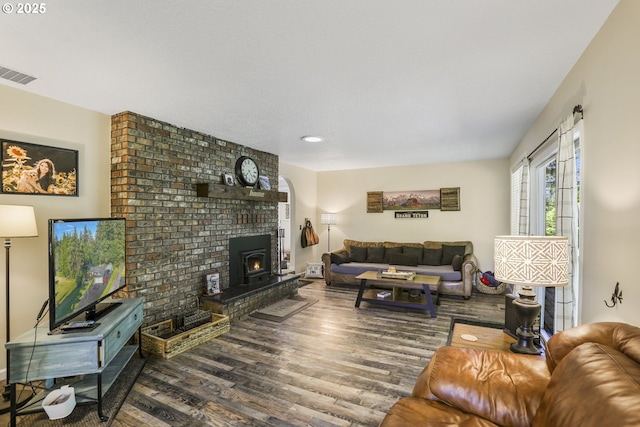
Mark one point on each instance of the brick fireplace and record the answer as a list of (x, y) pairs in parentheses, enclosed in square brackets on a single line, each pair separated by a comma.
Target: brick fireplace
[(175, 235)]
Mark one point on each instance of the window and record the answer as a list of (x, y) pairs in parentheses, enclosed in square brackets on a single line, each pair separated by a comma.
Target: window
[(543, 222)]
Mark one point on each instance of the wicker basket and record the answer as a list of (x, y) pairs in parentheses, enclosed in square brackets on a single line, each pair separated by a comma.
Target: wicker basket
[(493, 290), (153, 341)]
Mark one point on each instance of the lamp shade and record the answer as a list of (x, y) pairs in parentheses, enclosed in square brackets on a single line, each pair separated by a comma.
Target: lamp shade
[(532, 260), (328, 218), (17, 221)]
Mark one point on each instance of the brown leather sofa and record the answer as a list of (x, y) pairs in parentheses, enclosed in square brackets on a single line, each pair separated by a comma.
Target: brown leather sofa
[(590, 378)]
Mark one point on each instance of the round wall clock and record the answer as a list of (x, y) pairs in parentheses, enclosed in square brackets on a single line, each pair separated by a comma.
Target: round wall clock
[(247, 171)]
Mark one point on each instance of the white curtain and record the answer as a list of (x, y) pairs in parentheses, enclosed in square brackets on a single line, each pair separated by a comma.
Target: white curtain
[(567, 222), (523, 222), (519, 204)]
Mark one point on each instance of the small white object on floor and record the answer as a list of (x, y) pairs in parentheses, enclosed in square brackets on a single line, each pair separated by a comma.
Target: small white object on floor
[(468, 337), (59, 403)]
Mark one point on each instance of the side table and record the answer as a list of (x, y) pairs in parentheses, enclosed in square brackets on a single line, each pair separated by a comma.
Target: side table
[(487, 338)]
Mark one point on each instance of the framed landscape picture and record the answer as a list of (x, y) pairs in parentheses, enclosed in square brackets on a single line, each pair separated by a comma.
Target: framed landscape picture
[(411, 200), (38, 169)]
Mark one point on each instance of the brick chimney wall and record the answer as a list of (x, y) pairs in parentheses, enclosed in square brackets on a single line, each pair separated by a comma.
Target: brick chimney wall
[(175, 237)]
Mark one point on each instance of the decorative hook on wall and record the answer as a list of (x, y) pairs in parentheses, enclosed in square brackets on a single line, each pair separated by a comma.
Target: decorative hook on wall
[(616, 297)]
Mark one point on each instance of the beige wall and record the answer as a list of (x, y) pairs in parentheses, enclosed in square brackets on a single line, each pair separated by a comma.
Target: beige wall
[(30, 118), (484, 197), (303, 194), (605, 80)]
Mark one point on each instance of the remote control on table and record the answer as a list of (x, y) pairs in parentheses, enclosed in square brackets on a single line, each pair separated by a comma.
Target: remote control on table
[(79, 325)]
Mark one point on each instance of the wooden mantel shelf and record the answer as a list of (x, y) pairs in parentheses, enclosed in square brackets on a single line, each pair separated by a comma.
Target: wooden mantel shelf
[(221, 191)]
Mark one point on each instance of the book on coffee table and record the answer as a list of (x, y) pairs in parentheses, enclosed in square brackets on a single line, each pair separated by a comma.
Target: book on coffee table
[(402, 275)]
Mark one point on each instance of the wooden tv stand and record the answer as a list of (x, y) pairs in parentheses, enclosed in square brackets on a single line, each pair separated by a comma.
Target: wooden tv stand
[(103, 351)]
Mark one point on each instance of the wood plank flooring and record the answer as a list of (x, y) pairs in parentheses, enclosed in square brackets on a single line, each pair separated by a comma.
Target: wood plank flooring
[(329, 365)]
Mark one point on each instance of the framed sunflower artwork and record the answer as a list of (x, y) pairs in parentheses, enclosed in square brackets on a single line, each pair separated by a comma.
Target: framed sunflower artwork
[(38, 169)]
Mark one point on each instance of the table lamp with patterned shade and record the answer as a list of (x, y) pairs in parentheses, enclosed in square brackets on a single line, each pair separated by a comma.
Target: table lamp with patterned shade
[(530, 261)]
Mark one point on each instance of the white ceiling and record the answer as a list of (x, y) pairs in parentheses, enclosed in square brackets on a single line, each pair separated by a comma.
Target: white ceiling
[(384, 82)]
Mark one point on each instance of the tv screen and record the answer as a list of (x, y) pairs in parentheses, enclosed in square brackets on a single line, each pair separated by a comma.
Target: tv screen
[(86, 265)]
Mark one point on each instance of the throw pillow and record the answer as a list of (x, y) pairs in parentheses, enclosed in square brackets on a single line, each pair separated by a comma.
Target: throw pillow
[(375, 254), (339, 258), (357, 253), (449, 251), (432, 256), (314, 270), (390, 251), (403, 259), (456, 262), (410, 250)]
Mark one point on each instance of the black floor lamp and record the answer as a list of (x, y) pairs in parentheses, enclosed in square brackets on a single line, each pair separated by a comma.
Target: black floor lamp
[(15, 221)]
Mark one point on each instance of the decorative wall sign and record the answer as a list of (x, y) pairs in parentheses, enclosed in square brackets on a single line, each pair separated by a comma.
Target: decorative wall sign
[(227, 179), (264, 182), (212, 284), (450, 199), (374, 202), (411, 200), (38, 169), (411, 214)]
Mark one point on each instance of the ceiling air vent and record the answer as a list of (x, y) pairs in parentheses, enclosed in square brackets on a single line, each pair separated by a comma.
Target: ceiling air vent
[(15, 76)]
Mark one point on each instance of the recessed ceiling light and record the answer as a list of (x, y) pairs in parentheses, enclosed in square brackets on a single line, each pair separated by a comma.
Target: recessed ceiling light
[(310, 138)]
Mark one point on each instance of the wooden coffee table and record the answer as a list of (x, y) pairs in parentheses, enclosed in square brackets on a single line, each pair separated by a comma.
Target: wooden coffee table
[(428, 284)]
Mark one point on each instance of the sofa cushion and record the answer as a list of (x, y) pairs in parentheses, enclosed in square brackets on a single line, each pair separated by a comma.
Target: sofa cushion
[(449, 251), (501, 387), (432, 244), (412, 250), (621, 336), (390, 251), (414, 411), (357, 254), (456, 262), (375, 254), (432, 256), (314, 270), (594, 385), (348, 243), (339, 258), (356, 268), (403, 259)]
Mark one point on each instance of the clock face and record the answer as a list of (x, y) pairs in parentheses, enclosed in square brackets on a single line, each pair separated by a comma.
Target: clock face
[(247, 171)]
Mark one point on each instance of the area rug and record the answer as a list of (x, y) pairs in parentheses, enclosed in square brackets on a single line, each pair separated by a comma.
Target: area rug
[(86, 415), (470, 322), (282, 310)]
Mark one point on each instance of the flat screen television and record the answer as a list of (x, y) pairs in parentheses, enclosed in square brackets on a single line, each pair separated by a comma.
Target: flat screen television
[(86, 265)]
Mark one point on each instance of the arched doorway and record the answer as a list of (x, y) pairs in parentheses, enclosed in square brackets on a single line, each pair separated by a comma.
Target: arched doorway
[(285, 218)]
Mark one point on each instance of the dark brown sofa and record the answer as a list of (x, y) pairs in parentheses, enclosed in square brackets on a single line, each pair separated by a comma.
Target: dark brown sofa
[(590, 378), (431, 257)]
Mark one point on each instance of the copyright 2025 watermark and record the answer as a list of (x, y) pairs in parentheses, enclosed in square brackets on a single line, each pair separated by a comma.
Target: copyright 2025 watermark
[(24, 8)]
